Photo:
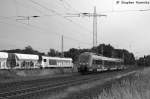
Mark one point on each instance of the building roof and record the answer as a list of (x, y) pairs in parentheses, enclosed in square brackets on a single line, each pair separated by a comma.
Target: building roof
[(3, 55), (27, 56)]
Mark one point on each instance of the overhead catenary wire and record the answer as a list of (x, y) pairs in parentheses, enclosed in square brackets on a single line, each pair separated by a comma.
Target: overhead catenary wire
[(77, 24), (14, 17), (69, 5), (39, 28), (63, 5), (42, 30), (27, 5), (77, 40), (33, 26), (70, 19), (73, 9), (63, 16)]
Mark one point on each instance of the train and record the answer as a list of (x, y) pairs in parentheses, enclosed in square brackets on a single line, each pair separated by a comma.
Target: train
[(30, 61), (91, 62)]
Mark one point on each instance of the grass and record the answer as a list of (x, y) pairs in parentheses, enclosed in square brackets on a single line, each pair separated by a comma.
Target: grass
[(133, 87), (90, 89), (7, 76)]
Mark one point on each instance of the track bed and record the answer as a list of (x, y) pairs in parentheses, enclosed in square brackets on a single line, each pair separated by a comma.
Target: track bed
[(51, 86)]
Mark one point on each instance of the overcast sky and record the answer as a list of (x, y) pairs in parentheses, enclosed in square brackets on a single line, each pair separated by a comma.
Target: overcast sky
[(124, 27)]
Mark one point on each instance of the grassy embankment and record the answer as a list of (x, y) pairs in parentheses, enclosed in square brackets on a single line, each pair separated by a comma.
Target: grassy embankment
[(133, 87), (29, 74)]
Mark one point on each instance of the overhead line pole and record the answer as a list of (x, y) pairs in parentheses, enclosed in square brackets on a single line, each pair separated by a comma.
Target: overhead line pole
[(94, 15), (94, 28)]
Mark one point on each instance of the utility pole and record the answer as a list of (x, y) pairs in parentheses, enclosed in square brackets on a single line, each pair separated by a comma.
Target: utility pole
[(94, 28), (102, 50), (94, 15), (62, 46), (123, 58)]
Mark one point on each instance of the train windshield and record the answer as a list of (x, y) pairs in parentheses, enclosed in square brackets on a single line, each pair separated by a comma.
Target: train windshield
[(84, 58)]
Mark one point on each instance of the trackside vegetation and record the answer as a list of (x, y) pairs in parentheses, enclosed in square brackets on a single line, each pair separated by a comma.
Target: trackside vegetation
[(133, 87), (105, 49)]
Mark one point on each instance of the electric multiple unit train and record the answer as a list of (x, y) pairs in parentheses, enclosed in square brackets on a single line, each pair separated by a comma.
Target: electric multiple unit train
[(90, 62)]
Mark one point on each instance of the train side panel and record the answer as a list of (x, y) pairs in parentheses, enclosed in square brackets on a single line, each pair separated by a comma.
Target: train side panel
[(56, 62)]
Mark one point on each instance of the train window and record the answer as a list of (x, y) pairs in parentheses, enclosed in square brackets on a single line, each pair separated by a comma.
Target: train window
[(94, 62), (108, 63), (63, 62), (58, 62), (52, 62), (97, 62), (84, 58), (67, 63), (44, 60)]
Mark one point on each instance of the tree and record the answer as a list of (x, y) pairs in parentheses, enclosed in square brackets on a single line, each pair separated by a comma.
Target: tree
[(53, 53), (27, 50), (108, 51), (144, 61), (72, 53)]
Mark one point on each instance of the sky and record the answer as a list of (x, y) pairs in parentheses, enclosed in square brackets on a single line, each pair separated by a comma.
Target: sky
[(125, 27)]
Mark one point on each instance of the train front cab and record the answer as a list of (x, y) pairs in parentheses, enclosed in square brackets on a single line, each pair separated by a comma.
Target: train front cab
[(84, 63), (83, 68)]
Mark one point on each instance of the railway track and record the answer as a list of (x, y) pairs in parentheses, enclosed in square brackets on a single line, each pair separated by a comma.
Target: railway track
[(5, 87), (52, 85), (48, 87)]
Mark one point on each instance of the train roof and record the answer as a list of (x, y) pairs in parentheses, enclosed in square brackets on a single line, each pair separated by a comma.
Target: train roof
[(56, 58), (94, 55), (27, 56), (107, 58), (3, 55)]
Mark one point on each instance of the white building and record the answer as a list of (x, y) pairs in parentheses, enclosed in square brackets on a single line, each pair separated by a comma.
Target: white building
[(25, 61), (3, 60)]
